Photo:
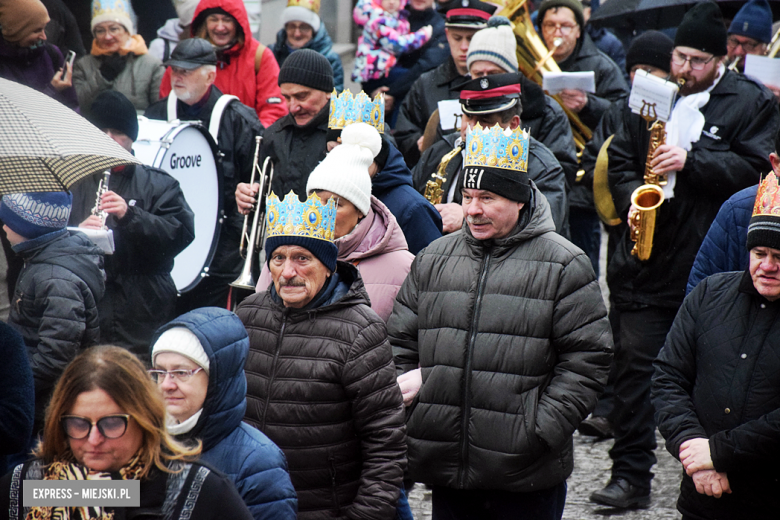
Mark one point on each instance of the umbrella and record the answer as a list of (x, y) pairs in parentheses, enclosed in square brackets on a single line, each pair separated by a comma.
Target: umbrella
[(45, 146), (658, 14)]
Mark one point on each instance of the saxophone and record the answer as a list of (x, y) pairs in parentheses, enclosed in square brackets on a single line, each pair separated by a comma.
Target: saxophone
[(648, 197), (433, 191)]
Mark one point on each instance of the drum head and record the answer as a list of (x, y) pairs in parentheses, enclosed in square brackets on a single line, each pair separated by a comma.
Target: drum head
[(187, 152)]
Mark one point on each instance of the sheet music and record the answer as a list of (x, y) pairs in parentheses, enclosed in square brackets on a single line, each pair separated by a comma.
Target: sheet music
[(764, 69), (554, 82), (654, 94), (449, 115)]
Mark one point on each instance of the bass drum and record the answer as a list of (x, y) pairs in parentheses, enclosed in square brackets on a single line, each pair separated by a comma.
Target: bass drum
[(187, 152)]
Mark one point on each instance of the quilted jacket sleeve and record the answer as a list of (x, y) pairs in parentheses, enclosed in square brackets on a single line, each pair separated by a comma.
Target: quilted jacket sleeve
[(377, 408), (582, 339), (675, 373), (748, 445), (403, 323)]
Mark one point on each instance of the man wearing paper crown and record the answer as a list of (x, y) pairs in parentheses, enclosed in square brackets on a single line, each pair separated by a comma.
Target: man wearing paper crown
[(390, 177), (717, 139), (490, 100), (320, 373), (716, 388), (501, 333)]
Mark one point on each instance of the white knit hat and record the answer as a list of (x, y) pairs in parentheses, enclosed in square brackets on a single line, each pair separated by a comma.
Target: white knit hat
[(181, 340), (185, 10), (344, 171), (297, 13), (119, 11), (495, 43)]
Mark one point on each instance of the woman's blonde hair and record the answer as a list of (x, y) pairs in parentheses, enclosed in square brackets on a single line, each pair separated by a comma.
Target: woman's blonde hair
[(122, 376)]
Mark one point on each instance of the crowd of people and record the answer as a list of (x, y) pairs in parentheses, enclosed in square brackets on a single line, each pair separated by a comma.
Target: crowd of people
[(427, 306)]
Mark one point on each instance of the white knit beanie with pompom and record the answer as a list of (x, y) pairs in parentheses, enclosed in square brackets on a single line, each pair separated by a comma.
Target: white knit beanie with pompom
[(344, 171)]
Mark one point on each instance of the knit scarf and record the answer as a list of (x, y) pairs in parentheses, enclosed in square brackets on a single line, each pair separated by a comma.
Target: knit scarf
[(73, 471)]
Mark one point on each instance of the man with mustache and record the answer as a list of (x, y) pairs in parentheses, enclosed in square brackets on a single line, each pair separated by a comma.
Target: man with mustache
[(320, 375), (194, 97), (717, 142), (501, 335)]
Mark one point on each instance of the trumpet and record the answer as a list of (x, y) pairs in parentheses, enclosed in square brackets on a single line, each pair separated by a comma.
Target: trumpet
[(253, 241)]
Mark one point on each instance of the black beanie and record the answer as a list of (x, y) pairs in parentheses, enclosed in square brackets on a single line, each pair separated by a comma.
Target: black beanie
[(574, 5), (650, 48), (111, 109), (703, 29), (308, 68)]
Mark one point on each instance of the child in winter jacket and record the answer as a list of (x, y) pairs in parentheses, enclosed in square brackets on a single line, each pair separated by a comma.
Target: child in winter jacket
[(385, 36)]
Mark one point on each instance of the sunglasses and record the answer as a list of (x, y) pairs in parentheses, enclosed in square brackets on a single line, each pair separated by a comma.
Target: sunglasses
[(110, 426)]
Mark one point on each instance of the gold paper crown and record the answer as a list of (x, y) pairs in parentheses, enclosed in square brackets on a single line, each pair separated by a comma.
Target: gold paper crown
[(291, 217), (112, 7), (497, 148), (311, 5), (346, 109), (768, 197)]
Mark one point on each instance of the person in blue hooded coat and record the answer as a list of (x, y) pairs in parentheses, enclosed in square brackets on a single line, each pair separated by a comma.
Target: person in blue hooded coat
[(199, 367)]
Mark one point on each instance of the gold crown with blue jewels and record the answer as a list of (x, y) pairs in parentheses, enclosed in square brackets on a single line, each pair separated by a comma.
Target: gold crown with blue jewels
[(291, 217), (346, 109), (497, 148)]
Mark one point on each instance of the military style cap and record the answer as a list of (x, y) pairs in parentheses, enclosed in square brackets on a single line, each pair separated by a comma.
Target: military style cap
[(490, 94), (467, 14), (192, 53)]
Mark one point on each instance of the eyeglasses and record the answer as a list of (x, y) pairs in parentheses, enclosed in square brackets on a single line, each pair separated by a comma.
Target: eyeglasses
[(180, 375), (732, 43), (110, 426), (115, 30), (550, 27), (695, 63)]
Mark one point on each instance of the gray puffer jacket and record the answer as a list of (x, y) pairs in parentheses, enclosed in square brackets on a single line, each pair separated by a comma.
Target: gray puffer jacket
[(139, 81), (514, 345)]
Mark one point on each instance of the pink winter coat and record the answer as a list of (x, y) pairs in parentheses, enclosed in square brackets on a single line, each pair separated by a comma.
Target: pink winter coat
[(377, 247)]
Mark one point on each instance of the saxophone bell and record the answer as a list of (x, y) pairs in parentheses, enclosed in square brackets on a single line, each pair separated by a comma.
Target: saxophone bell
[(433, 192), (647, 198)]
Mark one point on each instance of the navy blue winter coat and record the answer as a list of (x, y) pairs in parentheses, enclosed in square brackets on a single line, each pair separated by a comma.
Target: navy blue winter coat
[(419, 220), (320, 42), (724, 248), (253, 462)]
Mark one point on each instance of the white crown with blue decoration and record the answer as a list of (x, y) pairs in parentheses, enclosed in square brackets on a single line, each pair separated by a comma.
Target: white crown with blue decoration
[(497, 148), (346, 109), (309, 219)]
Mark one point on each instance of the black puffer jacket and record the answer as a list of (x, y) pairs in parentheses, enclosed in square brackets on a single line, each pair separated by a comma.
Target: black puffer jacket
[(741, 120), (140, 293), (514, 345), (543, 169), (610, 83), (321, 385), (54, 306), (718, 377), (295, 151), (423, 98), (237, 130)]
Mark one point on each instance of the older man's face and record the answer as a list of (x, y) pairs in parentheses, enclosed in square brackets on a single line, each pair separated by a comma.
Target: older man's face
[(488, 215), (298, 275), (739, 46), (765, 271), (303, 102), (191, 85)]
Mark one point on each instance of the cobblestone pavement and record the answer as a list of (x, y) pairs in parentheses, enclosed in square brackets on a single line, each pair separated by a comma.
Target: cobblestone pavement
[(591, 472)]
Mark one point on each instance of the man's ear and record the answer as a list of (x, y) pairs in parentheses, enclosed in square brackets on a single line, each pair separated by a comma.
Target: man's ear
[(775, 160)]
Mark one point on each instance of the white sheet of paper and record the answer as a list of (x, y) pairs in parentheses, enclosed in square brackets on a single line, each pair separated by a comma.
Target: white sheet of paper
[(764, 69), (554, 82), (449, 115), (649, 90)]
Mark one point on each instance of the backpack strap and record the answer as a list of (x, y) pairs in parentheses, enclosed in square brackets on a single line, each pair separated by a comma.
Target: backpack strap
[(259, 57)]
